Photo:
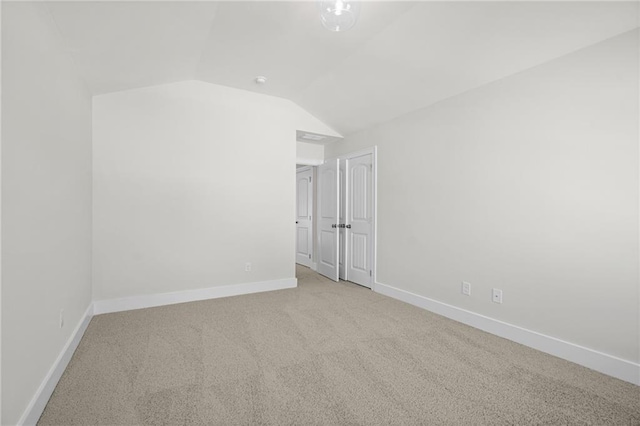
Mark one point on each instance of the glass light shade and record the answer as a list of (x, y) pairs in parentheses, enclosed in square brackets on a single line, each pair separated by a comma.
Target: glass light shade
[(339, 15)]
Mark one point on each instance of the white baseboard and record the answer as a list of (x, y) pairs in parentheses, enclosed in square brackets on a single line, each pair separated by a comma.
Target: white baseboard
[(314, 266), (161, 299), (39, 401), (604, 363)]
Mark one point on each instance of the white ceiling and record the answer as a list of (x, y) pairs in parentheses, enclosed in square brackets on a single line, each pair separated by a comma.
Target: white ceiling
[(399, 57), (123, 45)]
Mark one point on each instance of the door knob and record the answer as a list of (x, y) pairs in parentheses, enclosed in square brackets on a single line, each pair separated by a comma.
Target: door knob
[(333, 225), (296, 221), (348, 226)]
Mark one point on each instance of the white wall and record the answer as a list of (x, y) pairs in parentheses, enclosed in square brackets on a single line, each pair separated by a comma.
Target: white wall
[(191, 181), (528, 184), (309, 153), (46, 202)]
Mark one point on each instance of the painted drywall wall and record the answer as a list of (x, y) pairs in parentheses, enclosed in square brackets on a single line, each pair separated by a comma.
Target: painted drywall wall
[(46, 202), (309, 153), (528, 184), (192, 181)]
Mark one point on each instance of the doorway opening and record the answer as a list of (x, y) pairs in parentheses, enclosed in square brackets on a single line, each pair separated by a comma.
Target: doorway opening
[(343, 242)]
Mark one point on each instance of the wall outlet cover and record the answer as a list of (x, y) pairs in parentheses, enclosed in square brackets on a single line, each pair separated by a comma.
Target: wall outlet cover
[(496, 295)]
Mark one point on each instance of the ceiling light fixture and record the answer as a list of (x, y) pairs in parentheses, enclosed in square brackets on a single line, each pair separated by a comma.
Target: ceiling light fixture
[(261, 79), (339, 15)]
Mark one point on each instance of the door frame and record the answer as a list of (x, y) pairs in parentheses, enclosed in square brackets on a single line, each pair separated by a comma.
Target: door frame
[(374, 228)]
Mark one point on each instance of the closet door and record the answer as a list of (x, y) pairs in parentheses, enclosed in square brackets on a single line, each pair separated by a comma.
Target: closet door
[(328, 220), (342, 231), (359, 224), (304, 236)]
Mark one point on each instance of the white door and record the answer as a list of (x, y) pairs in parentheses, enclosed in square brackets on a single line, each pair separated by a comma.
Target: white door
[(328, 206), (343, 220), (304, 236), (359, 224)]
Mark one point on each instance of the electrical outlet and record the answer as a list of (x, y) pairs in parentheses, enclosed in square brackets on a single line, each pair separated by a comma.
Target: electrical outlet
[(247, 267), (466, 288), (496, 295), (61, 318)]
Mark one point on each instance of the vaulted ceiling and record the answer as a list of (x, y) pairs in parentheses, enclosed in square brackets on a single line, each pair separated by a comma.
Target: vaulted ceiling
[(400, 56)]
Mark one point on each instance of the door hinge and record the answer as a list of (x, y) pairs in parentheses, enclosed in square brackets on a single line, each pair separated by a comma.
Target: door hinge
[(309, 179), (370, 273), (309, 255)]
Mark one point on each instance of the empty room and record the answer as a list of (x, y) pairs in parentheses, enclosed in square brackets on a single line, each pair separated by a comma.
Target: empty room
[(320, 212)]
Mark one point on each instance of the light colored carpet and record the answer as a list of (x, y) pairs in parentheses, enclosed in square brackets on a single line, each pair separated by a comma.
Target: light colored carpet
[(324, 353)]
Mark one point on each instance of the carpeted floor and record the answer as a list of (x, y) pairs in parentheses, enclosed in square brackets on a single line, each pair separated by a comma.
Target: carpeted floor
[(324, 353)]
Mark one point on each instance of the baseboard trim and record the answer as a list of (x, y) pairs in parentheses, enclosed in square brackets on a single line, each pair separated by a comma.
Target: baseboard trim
[(314, 266), (598, 361), (39, 401), (161, 299)]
